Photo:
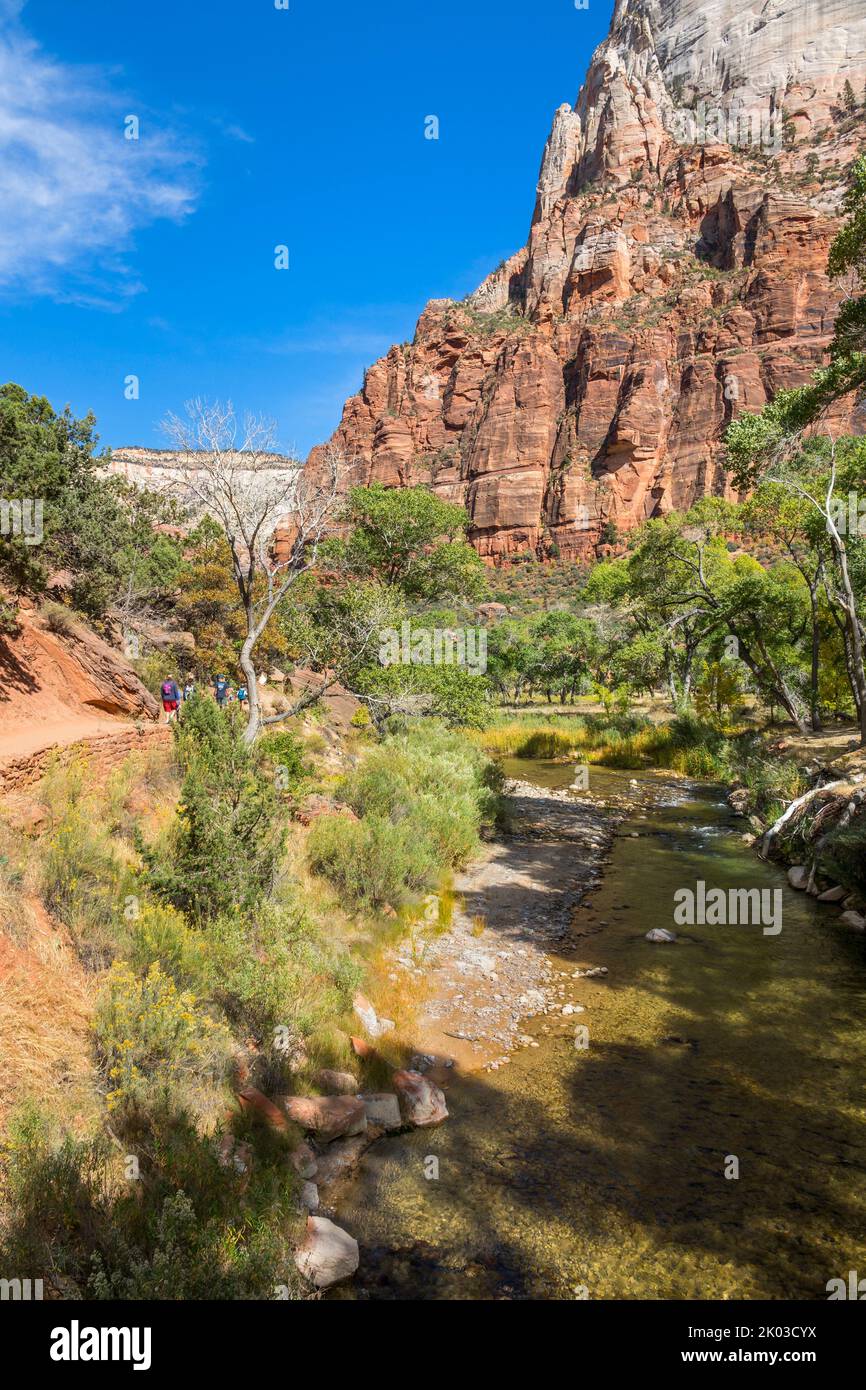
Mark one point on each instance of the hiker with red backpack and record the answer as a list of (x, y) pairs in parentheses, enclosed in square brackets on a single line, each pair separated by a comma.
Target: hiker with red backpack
[(170, 699)]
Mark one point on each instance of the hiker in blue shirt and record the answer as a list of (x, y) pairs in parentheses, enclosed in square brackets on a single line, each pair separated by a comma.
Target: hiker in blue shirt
[(221, 690)]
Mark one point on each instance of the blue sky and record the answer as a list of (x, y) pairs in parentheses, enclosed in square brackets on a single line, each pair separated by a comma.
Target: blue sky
[(259, 127)]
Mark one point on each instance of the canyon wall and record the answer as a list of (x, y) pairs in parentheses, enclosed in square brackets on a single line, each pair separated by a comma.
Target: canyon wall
[(674, 275)]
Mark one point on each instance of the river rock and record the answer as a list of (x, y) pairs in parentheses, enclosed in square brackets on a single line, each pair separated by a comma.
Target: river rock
[(341, 1158), (421, 1103), (253, 1099), (337, 1083), (328, 1116), (661, 934), (309, 1197), (327, 1253), (373, 1024), (854, 919), (304, 1161), (832, 895), (798, 877), (383, 1108)]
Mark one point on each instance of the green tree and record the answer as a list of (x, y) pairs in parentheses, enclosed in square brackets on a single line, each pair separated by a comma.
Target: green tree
[(228, 832), (411, 540)]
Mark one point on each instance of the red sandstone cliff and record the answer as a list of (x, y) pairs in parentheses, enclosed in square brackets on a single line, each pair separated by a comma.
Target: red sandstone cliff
[(675, 274)]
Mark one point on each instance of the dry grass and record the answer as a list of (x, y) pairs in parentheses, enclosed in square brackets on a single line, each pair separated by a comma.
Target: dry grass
[(46, 1009)]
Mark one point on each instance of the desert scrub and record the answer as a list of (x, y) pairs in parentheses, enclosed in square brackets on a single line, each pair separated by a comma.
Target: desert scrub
[(157, 1044), (192, 1229), (84, 880), (422, 799), (277, 971)]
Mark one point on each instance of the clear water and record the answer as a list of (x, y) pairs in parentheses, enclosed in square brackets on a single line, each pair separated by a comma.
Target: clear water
[(604, 1170)]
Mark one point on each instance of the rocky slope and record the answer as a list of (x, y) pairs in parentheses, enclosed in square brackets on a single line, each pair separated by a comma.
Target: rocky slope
[(674, 275)]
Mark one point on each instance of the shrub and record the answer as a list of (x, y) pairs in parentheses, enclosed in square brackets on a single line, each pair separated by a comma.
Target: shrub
[(156, 1042), (422, 797), (192, 1229), (84, 882), (844, 856), (372, 861), (276, 970), (228, 834)]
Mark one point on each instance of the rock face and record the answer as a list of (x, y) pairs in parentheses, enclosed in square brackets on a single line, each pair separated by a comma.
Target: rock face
[(674, 275)]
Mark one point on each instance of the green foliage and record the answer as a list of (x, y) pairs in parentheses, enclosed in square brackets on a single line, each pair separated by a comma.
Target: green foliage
[(209, 606), (228, 835), (844, 856), (422, 798), (275, 969), (96, 528), (189, 1229), (408, 539)]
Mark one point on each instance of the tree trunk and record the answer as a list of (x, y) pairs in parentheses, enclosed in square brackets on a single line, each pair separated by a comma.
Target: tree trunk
[(814, 715), (249, 670), (852, 621)]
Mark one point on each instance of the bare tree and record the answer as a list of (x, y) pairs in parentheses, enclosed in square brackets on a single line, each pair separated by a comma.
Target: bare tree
[(229, 469)]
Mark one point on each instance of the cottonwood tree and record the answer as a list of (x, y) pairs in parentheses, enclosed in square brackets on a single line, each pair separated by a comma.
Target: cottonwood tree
[(229, 470)]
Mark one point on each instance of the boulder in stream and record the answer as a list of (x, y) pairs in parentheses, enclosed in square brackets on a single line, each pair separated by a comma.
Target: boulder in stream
[(833, 895), (661, 934), (798, 877), (421, 1103), (383, 1108), (327, 1253)]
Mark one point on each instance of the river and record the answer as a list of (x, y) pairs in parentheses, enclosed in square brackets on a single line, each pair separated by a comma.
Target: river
[(600, 1172)]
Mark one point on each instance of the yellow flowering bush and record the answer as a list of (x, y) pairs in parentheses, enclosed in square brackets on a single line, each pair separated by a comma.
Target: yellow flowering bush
[(155, 1039)]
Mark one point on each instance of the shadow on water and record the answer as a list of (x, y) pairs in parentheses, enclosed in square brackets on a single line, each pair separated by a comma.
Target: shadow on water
[(605, 1168)]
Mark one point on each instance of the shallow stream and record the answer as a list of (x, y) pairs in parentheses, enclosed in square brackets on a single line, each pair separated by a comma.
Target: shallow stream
[(600, 1172)]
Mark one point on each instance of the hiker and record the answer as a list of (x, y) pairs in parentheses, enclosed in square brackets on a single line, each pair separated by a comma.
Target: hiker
[(221, 690), (243, 697), (170, 699), (188, 689)]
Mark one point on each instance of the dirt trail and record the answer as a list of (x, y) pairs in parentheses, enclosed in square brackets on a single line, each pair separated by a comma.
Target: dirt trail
[(30, 739)]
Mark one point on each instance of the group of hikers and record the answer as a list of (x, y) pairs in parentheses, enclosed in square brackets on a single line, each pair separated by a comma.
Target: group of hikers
[(223, 692)]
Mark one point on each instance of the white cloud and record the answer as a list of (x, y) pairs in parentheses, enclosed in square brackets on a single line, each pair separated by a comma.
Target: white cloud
[(73, 190)]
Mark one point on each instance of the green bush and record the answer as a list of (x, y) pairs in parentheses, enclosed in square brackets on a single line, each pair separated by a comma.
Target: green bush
[(276, 970), (844, 856), (422, 798), (372, 861), (229, 830), (189, 1228)]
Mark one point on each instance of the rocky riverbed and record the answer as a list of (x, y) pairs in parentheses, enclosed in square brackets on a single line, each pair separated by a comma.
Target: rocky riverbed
[(491, 973)]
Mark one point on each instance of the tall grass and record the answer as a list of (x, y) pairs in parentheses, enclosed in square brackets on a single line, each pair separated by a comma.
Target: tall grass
[(685, 745)]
